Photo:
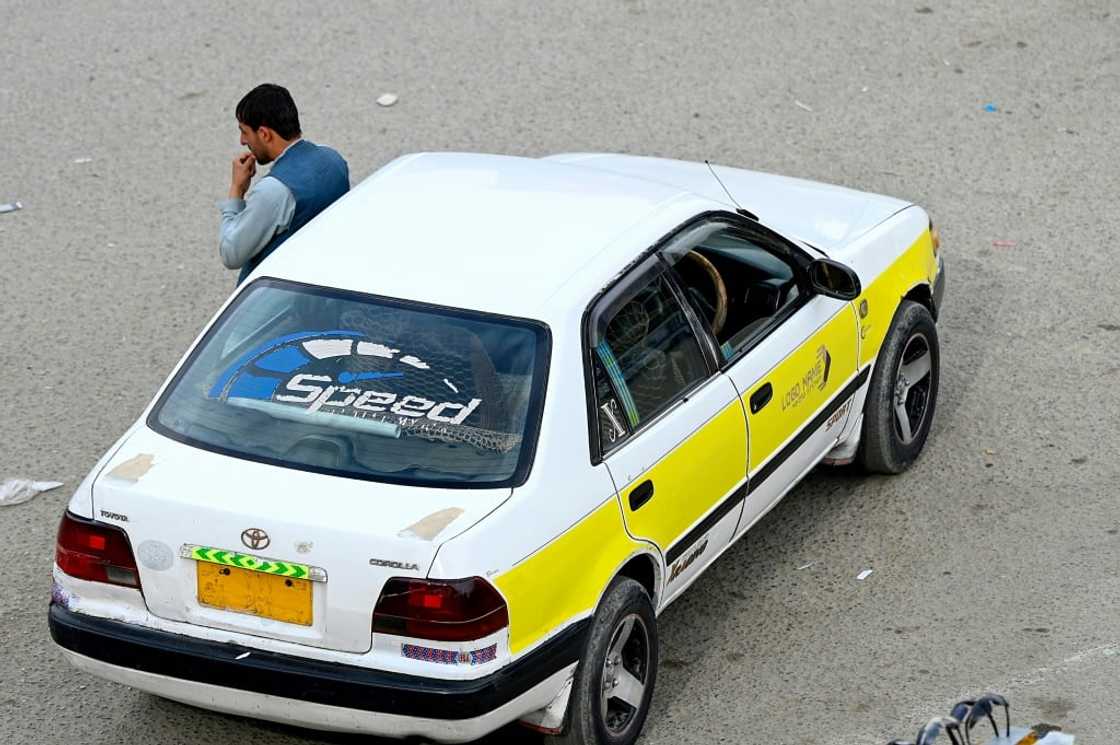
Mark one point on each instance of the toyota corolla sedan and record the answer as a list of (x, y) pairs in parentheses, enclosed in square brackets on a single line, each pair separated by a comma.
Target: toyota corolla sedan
[(445, 458)]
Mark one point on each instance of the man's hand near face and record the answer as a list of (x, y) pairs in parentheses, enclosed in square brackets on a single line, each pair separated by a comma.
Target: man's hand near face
[(244, 168), (250, 219)]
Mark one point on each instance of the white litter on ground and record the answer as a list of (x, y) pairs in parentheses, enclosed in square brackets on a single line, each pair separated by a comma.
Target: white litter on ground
[(10, 207), (800, 105), (80, 161), (387, 99), (18, 491), (864, 574), (806, 566)]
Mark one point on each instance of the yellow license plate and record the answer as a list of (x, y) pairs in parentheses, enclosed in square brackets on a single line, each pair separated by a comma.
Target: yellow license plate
[(259, 594)]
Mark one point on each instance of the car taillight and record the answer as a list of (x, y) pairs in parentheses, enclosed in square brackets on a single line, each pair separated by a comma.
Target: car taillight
[(95, 552), (456, 610), (934, 237)]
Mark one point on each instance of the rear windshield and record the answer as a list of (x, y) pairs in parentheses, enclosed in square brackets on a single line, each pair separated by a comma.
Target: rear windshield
[(359, 386)]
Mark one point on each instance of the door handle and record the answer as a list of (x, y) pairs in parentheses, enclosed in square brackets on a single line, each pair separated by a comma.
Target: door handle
[(641, 494), (761, 397)]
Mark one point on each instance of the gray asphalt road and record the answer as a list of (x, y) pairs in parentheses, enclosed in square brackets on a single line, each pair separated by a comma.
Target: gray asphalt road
[(995, 557)]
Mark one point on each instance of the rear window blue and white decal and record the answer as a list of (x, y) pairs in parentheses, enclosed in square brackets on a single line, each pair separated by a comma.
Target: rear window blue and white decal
[(331, 370), (391, 391)]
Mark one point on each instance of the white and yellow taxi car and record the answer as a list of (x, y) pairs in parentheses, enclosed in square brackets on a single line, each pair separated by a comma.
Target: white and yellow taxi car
[(445, 458)]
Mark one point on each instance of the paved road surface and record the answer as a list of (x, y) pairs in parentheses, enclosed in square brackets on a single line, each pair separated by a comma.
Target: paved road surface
[(995, 558)]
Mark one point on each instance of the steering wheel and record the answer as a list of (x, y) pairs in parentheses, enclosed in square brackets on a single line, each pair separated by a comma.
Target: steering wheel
[(718, 312)]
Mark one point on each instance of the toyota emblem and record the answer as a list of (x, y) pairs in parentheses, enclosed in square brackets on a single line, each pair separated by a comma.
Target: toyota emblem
[(255, 538)]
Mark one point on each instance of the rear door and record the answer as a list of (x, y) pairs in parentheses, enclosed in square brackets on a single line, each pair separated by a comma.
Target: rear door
[(671, 429), (790, 353)]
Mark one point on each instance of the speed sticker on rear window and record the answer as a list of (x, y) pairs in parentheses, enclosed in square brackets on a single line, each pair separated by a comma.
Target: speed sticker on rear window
[(344, 372)]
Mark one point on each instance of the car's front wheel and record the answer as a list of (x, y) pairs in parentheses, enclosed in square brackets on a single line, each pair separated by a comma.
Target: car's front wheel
[(903, 393), (614, 681)]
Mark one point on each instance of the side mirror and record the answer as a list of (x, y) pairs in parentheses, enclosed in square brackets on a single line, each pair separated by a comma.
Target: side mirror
[(833, 279)]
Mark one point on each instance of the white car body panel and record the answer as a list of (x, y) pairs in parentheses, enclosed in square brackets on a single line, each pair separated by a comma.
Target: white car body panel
[(869, 254), (823, 215), (190, 496), (454, 229)]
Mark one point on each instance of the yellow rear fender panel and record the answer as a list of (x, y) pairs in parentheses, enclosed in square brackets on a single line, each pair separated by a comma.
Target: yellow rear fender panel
[(562, 581)]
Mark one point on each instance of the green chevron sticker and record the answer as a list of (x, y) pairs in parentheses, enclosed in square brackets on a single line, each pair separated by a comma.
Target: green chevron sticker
[(254, 563)]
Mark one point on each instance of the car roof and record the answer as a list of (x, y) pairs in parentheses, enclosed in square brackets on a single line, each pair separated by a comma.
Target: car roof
[(493, 233)]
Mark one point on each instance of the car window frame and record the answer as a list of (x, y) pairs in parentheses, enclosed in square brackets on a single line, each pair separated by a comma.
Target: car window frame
[(533, 418), (750, 230), (596, 452), (649, 269), (768, 240)]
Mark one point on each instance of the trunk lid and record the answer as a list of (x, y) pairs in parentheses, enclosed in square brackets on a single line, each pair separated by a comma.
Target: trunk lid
[(170, 497)]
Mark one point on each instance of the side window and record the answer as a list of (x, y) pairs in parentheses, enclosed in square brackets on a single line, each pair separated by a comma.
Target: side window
[(645, 354), (737, 286), (614, 426)]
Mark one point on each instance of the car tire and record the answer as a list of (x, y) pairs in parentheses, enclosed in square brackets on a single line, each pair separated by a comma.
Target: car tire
[(620, 660), (902, 397)]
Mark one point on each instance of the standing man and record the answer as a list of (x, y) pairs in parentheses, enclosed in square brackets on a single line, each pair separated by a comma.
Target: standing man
[(304, 180)]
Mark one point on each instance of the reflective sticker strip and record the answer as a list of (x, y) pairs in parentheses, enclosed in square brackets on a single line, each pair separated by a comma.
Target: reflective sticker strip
[(484, 655), (450, 656), (430, 654), (254, 563), (614, 372)]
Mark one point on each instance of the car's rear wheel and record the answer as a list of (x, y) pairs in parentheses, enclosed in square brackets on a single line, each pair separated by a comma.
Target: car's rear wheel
[(903, 394), (614, 681)]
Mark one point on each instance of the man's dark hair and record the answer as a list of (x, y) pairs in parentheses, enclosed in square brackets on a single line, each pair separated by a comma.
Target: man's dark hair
[(271, 106)]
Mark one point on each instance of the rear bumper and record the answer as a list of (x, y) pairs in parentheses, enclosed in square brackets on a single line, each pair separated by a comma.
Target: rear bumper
[(312, 693)]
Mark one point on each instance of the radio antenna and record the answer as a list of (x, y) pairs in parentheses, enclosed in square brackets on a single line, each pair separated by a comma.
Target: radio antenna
[(739, 208)]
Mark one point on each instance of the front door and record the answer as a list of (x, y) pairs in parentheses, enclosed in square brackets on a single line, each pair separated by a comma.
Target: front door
[(796, 385), (790, 353), (671, 429)]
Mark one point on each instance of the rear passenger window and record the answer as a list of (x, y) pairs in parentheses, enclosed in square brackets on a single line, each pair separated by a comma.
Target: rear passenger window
[(614, 427), (645, 354)]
